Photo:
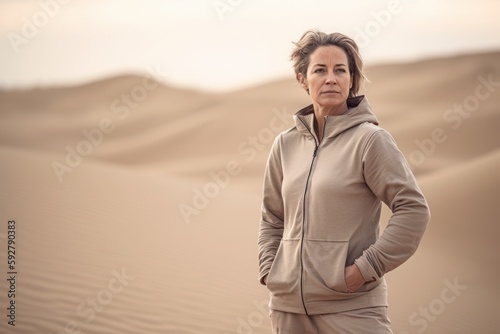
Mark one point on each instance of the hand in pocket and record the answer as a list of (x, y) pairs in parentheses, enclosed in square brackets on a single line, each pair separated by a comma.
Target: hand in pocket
[(353, 278)]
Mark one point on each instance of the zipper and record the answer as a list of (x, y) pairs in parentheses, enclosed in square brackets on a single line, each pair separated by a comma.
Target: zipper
[(315, 153)]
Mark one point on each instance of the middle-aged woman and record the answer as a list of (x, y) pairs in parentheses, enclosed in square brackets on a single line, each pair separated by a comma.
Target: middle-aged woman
[(320, 253)]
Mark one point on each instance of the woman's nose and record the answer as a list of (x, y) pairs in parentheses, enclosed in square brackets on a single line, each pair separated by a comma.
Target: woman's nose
[(331, 79)]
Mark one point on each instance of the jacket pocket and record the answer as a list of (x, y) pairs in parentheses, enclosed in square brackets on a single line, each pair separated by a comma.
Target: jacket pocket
[(325, 262), (284, 275)]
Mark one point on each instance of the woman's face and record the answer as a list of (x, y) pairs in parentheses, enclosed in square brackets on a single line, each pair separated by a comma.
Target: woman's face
[(328, 78)]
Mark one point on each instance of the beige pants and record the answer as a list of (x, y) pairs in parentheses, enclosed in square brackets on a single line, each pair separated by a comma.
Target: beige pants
[(372, 320)]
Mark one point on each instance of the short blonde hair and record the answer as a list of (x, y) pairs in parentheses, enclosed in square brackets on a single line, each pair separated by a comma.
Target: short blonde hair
[(313, 39)]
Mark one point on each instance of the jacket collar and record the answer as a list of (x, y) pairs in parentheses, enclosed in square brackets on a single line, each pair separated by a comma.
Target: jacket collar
[(359, 111)]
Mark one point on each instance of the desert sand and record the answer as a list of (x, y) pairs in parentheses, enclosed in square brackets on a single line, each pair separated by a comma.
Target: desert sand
[(137, 204)]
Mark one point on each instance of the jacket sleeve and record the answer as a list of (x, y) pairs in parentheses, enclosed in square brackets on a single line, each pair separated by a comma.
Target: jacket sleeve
[(390, 178), (271, 223)]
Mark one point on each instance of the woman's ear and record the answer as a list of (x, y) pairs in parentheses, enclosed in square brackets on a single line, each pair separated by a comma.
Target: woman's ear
[(302, 81)]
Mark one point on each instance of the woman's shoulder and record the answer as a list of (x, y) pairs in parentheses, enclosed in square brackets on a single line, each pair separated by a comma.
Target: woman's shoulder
[(288, 134), (369, 129), (372, 135)]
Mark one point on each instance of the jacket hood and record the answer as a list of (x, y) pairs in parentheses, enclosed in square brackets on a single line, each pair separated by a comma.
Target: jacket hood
[(359, 111)]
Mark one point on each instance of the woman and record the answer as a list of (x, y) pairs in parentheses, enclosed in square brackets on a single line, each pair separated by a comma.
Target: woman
[(320, 253)]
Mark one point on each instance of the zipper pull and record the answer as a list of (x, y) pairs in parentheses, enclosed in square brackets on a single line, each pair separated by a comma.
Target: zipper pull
[(315, 150)]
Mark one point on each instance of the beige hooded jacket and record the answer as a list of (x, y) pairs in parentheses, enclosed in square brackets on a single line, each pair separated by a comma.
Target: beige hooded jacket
[(321, 210)]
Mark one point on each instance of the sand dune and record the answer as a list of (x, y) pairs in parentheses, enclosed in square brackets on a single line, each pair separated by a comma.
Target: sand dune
[(96, 182)]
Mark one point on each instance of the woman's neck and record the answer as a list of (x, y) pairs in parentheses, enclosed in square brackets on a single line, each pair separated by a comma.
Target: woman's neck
[(322, 111)]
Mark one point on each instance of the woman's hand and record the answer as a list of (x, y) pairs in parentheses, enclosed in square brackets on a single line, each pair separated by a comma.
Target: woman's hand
[(353, 278)]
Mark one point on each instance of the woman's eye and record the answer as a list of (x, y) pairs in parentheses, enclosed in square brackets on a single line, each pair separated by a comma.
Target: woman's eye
[(341, 70), (318, 70)]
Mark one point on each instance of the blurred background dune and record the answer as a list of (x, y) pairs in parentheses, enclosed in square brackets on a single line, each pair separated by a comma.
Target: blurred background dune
[(137, 195)]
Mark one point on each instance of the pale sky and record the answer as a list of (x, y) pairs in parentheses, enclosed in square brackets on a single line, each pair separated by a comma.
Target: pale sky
[(245, 42)]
